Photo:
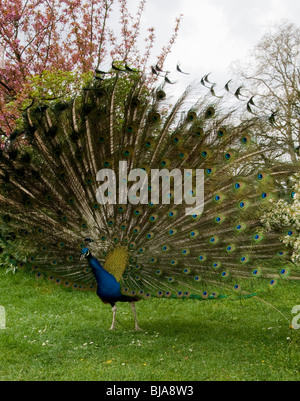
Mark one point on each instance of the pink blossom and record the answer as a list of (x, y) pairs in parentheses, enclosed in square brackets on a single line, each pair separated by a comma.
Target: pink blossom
[(65, 35)]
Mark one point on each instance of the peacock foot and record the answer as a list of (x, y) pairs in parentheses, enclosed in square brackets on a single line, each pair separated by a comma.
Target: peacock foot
[(137, 328)]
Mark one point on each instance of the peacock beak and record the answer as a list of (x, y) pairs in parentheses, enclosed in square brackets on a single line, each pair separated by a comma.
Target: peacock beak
[(82, 256)]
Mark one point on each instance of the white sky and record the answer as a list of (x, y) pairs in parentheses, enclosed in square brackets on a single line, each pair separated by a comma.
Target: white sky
[(214, 33)]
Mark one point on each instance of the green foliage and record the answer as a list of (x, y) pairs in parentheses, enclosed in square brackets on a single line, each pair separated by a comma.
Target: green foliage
[(56, 84)]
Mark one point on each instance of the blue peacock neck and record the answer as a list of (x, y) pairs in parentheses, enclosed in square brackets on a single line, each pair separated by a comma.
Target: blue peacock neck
[(108, 286), (96, 267)]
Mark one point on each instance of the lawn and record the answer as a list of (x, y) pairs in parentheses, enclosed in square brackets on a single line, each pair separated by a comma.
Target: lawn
[(53, 333)]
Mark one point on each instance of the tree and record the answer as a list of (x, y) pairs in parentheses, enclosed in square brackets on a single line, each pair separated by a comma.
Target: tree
[(273, 77), (69, 38), (284, 214)]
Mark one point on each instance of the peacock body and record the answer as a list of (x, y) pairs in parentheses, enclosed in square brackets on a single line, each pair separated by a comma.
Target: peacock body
[(58, 200)]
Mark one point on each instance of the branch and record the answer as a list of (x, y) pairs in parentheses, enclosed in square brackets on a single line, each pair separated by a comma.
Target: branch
[(10, 90), (107, 9)]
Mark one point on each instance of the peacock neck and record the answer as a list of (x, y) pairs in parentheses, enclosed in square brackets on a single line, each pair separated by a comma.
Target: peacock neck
[(96, 268)]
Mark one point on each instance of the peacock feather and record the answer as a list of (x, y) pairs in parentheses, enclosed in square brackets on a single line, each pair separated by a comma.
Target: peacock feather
[(51, 210)]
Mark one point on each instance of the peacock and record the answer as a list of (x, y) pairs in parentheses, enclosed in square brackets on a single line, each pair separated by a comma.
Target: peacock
[(124, 191)]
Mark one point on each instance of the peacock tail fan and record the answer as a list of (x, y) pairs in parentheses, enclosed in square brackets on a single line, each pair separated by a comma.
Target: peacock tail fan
[(53, 168)]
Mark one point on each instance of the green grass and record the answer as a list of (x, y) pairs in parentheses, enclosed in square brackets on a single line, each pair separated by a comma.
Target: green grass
[(58, 334)]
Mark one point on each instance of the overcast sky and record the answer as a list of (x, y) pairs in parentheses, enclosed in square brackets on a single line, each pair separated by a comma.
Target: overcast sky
[(214, 33)]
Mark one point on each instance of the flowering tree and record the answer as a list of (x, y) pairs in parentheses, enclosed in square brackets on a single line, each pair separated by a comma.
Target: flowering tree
[(65, 38), (287, 215)]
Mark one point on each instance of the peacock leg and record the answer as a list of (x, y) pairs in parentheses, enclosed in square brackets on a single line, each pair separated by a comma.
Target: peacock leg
[(114, 310), (136, 326)]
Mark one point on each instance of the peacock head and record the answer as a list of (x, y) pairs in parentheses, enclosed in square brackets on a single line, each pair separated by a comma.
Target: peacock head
[(85, 253)]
